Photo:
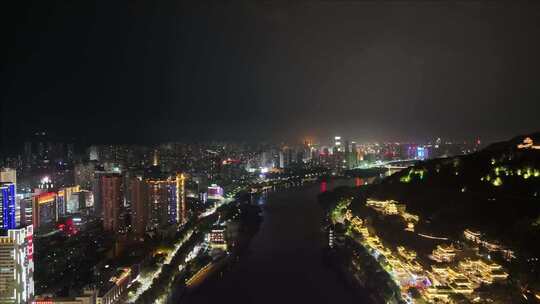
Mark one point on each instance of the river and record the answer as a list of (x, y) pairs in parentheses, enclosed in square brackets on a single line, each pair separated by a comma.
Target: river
[(284, 261)]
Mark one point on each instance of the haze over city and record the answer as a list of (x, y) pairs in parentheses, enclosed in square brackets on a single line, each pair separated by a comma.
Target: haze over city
[(254, 70)]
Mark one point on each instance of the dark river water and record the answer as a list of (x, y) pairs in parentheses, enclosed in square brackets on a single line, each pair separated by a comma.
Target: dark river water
[(284, 261)]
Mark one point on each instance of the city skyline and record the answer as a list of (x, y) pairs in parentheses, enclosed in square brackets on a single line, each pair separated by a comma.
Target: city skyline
[(255, 151)]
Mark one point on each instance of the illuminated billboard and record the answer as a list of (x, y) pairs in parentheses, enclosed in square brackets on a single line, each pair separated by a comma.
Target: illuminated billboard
[(45, 198), (215, 192), (7, 203)]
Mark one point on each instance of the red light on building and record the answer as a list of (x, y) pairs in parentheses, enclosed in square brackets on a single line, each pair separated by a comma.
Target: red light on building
[(230, 161), (30, 240), (358, 182), (68, 227), (323, 186)]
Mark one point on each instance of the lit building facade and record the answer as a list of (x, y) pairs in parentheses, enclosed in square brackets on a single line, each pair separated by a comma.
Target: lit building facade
[(8, 202), (64, 196), (26, 211), (16, 262), (79, 201), (89, 297), (217, 238), (139, 206), (84, 175), (114, 291), (44, 210), (111, 198), (443, 253), (8, 175), (338, 147), (181, 216), (215, 192), (167, 200), (162, 201), (421, 153)]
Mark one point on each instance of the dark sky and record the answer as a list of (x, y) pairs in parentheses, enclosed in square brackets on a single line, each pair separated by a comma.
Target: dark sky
[(116, 71)]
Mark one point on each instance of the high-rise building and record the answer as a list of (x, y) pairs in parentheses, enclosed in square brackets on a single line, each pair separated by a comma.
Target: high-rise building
[(8, 175), (166, 198), (421, 153), (17, 265), (8, 209), (70, 152), (76, 202), (338, 147), (353, 156), (84, 175), (44, 210), (162, 199), (139, 206), (112, 198), (155, 158), (96, 190), (93, 153), (80, 201), (64, 197), (26, 206), (281, 159), (28, 158), (181, 215)]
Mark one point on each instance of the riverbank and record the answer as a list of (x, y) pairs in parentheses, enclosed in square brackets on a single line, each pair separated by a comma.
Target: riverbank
[(249, 222), (349, 257), (159, 287), (283, 263)]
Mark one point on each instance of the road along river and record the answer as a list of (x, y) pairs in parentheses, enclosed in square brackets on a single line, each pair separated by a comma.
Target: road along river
[(284, 262)]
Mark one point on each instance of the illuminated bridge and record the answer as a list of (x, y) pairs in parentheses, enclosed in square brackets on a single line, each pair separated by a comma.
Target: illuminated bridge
[(400, 163), (397, 164)]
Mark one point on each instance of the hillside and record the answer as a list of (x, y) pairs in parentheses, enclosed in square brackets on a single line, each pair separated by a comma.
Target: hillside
[(496, 191)]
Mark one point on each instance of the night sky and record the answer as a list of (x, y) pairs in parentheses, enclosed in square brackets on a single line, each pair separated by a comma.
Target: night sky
[(137, 72)]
